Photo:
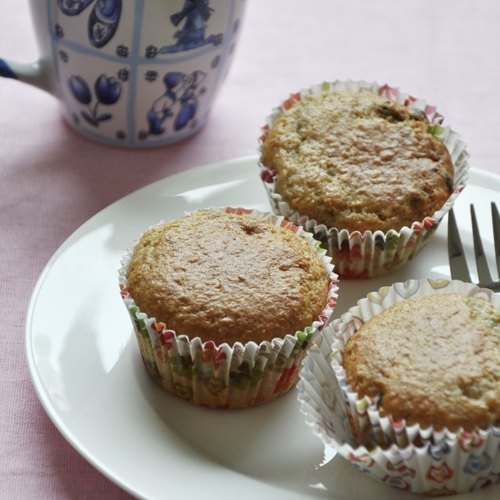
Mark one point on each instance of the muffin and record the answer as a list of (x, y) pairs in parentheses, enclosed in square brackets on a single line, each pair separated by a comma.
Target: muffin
[(225, 302), (406, 385), (394, 357), (366, 168)]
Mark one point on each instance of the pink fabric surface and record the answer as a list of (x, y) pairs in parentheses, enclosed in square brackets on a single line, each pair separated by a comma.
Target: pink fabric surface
[(52, 180)]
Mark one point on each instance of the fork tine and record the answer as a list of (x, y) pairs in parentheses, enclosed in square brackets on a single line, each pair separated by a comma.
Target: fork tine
[(458, 263), (483, 270), (496, 233)]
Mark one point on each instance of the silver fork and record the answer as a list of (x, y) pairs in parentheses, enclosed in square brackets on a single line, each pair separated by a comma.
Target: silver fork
[(458, 262)]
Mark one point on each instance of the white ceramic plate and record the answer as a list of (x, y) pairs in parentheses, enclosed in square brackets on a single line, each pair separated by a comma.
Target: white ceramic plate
[(87, 371)]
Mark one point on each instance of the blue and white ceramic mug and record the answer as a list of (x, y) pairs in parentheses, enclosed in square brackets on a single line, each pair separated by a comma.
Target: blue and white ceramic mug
[(132, 72)]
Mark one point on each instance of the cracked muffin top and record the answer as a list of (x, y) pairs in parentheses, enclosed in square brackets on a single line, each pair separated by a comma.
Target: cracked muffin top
[(227, 277), (432, 360), (358, 161)]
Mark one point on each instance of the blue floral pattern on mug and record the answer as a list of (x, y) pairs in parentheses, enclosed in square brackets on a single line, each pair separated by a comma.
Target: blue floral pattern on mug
[(107, 91), (141, 73), (103, 20)]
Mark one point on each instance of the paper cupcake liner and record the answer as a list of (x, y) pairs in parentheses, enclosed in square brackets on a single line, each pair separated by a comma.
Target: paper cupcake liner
[(357, 255), (224, 376), (409, 457)]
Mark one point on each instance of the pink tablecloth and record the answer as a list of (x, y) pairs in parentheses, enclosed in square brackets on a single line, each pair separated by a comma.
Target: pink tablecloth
[(52, 180)]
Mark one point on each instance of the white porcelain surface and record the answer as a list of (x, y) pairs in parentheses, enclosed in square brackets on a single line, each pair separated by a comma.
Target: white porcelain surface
[(87, 371)]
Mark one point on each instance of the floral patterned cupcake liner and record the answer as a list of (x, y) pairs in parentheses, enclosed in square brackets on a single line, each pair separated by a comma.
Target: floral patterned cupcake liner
[(224, 376), (406, 457), (357, 255)]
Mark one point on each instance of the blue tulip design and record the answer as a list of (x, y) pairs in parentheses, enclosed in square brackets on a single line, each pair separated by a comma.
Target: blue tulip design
[(80, 89), (107, 91)]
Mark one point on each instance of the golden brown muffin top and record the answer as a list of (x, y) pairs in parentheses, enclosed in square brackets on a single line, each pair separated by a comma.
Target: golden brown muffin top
[(227, 278), (358, 161), (435, 360)]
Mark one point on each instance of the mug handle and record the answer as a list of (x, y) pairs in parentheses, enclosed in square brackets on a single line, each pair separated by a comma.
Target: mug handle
[(36, 74)]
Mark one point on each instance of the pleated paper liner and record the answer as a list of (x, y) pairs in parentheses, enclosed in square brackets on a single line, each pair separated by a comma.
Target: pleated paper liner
[(225, 376), (410, 458), (356, 255)]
